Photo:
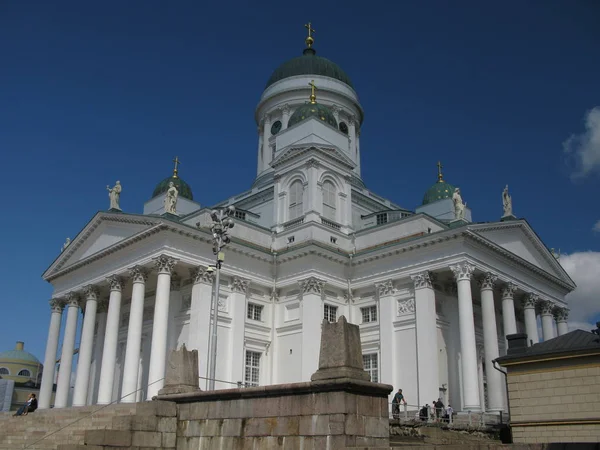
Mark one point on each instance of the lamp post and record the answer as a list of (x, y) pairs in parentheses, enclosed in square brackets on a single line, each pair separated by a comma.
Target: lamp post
[(222, 222)]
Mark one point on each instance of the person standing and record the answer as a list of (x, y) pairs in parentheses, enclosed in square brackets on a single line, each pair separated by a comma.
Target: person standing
[(398, 398)]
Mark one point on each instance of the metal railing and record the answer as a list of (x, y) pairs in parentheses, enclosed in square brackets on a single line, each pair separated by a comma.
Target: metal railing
[(419, 414)]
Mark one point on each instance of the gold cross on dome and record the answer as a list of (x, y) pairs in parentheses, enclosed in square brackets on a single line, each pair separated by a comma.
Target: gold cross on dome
[(440, 177), (313, 88), (177, 162), (309, 39)]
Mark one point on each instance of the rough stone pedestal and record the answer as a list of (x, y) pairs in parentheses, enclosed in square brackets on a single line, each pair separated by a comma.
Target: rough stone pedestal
[(182, 372), (341, 352)]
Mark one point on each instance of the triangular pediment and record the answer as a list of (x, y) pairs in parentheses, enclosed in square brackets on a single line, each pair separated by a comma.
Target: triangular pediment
[(331, 153), (517, 237), (105, 230)]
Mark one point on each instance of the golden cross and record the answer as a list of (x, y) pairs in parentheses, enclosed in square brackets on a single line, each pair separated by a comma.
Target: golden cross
[(177, 162), (440, 177), (310, 29), (313, 88)]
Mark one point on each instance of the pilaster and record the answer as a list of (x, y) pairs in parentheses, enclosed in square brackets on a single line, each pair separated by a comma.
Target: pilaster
[(311, 292), (239, 292), (388, 312)]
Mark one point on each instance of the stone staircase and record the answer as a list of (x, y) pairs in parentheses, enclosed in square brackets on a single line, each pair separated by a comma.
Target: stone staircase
[(46, 429)]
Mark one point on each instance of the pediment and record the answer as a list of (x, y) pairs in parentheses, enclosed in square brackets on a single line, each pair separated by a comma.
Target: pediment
[(103, 231), (519, 238), (328, 152)]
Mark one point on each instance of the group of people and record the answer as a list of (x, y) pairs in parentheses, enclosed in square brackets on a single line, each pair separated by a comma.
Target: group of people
[(437, 410), (30, 406)]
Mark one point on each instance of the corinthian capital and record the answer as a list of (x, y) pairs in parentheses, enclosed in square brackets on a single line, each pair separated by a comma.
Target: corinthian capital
[(138, 274), (239, 285), (165, 264), (487, 281), (422, 280), (546, 307), (201, 274), (531, 300), (509, 290), (73, 299), (463, 271), (56, 305), (116, 283), (91, 292), (311, 285), (561, 314), (385, 288)]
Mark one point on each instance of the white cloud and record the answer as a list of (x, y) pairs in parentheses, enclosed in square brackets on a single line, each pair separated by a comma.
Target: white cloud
[(584, 148), (596, 227), (584, 302)]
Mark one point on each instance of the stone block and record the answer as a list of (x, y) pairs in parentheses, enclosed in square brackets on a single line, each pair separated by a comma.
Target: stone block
[(188, 443), (193, 411), (108, 437), (152, 439), (354, 425), (286, 426), (330, 403), (291, 443), (157, 408), (181, 372), (259, 426), (315, 425), (336, 428), (377, 427), (169, 440), (266, 407), (231, 427), (190, 428), (340, 355), (167, 424)]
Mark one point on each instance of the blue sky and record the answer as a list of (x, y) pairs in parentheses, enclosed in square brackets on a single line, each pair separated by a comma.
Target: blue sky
[(92, 92)]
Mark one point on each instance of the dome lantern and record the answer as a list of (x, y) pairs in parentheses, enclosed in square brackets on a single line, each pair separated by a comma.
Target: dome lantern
[(313, 109)]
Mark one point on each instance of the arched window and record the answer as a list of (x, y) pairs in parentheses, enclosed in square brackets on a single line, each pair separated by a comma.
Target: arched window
[(4, 371), (24, 373), (296, 194), (329, 200)]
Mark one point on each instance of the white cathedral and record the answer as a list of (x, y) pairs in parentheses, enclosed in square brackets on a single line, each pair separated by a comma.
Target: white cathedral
[(433, 293)]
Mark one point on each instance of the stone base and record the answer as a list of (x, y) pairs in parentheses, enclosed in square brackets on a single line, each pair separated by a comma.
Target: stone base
[(509, 217), (340, 372), (458, 223), (170, 216), (178, 389), (115, 210)]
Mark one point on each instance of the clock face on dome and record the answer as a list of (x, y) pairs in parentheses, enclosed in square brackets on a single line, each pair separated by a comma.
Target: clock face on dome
[(276, 127)]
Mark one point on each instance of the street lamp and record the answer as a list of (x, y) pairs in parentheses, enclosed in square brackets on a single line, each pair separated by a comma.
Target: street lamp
[(222, 222)]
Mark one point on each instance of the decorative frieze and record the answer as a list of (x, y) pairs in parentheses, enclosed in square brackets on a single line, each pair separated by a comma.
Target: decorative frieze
[(201, 274), (422, 280), (115, 282), (239, 285), (56, 305), (487, 281), (531, 300), (406, 307), (463, 271), (165, 264), (222, 304), (138, 274), (274, 295), (509, 290), (311, 285), (385, 288)]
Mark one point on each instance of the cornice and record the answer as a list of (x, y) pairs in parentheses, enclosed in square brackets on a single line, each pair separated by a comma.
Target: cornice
[(330, 152)]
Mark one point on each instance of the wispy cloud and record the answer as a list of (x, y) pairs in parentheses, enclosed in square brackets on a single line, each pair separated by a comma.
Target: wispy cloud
[(584, 303), (596, 227), (584, 148)]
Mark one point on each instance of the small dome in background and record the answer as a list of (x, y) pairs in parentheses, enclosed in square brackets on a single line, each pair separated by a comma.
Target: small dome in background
[(439, 190)]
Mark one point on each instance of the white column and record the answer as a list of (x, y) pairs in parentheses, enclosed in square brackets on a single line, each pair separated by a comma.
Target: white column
[(547, 308), (84, 361), (352, 136), (312, 316), (160, 326), (530, 318), (495, 385), (508, 309), (98, 350), (266, 146), (285, 116), (66, 358), (388, 311), (357, 169), (200, 317), (109, 355), (562, 315), (259, 156), (463, 273), (134, 335), (50, 356), (427, 345), (239, 290)]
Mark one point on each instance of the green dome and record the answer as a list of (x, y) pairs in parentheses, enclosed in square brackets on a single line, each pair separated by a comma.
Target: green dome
[(20, 355), (438, 191), (184, 189), (317, 110), (309, 64)]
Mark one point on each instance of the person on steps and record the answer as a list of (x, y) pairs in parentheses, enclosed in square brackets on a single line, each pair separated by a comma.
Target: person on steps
[(29, 406)]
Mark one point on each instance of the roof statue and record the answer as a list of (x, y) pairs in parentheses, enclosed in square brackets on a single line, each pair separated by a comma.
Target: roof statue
[(459, 206), (171, 199), (507, 202), (183, 189), (66, 244), (114, 194)]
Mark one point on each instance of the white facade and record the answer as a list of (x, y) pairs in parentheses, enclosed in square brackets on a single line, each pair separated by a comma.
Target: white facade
[(434, 297)]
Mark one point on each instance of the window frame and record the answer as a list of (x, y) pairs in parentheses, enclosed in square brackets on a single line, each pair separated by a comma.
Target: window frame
[(327, 309), (371, 370), (7, 371), (329, 194), (296, 204), (252, 368), (381, 218), (251, 310), (371, 311), (20, 374)]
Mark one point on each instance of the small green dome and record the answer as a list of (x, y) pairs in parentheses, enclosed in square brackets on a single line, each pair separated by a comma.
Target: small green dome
[(317, 110), (309, 64), (18, 354), (438, 191), (184, 189)]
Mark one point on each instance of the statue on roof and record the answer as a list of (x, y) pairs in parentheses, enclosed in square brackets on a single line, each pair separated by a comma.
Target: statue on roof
[(171, 199), (66, 244), (459, 206), (114, 194), (507, 202)]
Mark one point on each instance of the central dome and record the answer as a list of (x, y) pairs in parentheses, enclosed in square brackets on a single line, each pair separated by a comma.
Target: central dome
[(321, 112), (309, 64), (183, 188)]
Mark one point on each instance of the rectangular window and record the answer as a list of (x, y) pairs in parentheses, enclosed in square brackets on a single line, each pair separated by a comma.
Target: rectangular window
[(330, 313), (369, 314), (251, 376), (240, 215), (382, 218), (254, 311), (371, 366)]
